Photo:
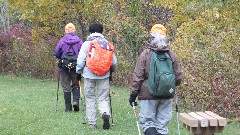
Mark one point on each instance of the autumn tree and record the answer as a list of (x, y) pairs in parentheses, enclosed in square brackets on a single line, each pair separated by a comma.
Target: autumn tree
[(204, 35)]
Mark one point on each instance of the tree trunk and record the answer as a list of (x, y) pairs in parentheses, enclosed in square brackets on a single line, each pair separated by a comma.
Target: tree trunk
[(3, 13), (7, 16)]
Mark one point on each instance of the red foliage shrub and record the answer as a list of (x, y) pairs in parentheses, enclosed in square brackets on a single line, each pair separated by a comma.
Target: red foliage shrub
[(17, 32), (20, 56)]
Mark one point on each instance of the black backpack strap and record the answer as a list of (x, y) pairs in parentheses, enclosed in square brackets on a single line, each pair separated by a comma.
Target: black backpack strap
[(71, 47)]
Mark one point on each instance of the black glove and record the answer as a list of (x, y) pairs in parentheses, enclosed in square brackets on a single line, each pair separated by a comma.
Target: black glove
[(110, 77), (79, 77), (132, 100), (111, 71), (59, 63)]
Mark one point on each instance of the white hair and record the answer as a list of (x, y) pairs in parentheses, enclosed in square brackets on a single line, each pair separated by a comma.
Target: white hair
[(160, 40)]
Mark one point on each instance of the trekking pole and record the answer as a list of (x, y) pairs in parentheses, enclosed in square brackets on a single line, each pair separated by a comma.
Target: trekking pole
[(177, 114), (57, 92), (111, 107), (135, 114), (110, 100), (81, 98)]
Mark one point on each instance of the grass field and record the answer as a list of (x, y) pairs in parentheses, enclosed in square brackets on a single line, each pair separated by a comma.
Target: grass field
[(28, 107)]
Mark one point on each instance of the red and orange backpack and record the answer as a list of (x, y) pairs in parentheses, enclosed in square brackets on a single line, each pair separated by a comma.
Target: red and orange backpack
[(99, 56)]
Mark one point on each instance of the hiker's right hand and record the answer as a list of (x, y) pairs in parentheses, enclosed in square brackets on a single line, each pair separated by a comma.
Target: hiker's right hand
[(79, 77), (132, 100), (111, 71), (110, 78)]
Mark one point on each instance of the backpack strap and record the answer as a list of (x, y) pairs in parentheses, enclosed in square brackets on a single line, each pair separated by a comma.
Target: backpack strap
[(94, 43), (169, 56), (165, 52), (71, 47), (111, 47)]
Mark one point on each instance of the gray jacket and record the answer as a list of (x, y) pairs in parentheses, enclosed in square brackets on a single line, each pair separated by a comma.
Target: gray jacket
[(81, 61)]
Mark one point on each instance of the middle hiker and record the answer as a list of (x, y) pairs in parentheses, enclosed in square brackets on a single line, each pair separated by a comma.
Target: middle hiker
[(94, 61)]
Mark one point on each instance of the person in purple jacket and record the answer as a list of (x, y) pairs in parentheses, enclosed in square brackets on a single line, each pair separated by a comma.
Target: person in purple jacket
[(68, 77)]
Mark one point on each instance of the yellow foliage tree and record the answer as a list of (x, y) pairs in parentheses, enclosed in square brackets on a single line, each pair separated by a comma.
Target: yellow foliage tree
[(204, 34)]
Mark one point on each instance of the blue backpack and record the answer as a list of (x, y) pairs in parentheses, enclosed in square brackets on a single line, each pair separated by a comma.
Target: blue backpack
[(161, 78)]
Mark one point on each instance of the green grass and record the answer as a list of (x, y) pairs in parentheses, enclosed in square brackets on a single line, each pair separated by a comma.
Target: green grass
[(28, 107)]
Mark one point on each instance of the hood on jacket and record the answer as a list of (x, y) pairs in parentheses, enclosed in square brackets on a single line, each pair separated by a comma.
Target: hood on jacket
[(71, 38), (100, 39), (94, 35)]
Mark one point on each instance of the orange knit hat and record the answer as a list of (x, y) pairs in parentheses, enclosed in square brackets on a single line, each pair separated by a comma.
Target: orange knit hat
[(157, 27)]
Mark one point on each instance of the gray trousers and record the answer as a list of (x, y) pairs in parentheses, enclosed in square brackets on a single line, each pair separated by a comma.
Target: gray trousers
[(96, 90), (155, 113)]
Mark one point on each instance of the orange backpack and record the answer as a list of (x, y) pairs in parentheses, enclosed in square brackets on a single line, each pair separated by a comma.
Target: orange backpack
[(99, 60)]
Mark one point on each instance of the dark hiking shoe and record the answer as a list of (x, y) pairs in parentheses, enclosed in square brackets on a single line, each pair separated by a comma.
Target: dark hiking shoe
[(151, 131), (106, 124), (75, 106)]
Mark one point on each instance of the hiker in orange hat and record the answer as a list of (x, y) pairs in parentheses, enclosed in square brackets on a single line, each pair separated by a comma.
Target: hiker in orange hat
[(156, 75), (67, 51)]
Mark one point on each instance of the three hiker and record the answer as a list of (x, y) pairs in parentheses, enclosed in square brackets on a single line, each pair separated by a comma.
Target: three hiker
[(96, 83), (155, 111), (68, 48)]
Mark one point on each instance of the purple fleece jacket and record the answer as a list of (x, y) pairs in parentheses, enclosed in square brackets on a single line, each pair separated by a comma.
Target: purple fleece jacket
[(64, 44)]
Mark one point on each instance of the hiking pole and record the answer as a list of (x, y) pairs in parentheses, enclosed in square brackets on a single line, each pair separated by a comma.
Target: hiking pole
[(111, 106), (177, 114), (57, 92), (135, 114), (81, 98), (110, 100)]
